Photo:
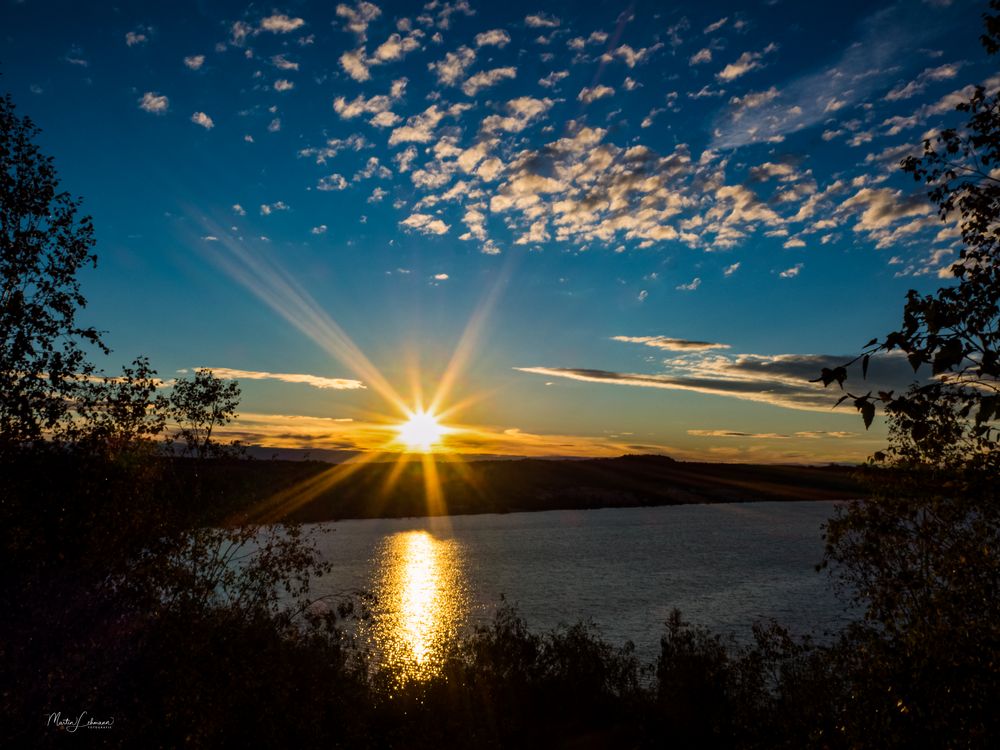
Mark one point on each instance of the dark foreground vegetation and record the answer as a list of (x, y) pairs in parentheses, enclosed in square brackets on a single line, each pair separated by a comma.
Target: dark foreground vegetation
[(126, 605)]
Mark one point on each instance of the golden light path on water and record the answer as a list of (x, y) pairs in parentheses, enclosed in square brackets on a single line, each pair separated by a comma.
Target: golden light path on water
[(421, 602)]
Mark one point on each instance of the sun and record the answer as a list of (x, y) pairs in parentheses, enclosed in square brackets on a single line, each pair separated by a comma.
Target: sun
[(421, 432)]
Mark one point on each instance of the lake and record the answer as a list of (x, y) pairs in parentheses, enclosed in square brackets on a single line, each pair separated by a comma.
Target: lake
[(724, 566)]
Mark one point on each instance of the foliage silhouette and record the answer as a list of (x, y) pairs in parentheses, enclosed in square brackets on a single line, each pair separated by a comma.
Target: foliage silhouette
[(198, 406), (44, 243), (921, 554)]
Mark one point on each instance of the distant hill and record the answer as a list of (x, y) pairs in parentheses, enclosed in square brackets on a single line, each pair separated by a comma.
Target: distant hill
[(318, 491)]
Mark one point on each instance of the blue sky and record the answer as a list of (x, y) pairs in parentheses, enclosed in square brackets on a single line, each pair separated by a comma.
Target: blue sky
[(652, 223)]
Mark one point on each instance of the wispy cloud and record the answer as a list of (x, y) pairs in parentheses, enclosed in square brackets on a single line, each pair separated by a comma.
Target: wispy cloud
[(316, 381), (670, 344), (737, 434), (860, 70), (778, 379)]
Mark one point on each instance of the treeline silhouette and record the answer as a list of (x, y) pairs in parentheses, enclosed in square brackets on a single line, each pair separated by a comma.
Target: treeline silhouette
[(386, 490)]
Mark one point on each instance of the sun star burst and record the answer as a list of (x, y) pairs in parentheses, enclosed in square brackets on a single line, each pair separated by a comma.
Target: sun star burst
[(421, 432)]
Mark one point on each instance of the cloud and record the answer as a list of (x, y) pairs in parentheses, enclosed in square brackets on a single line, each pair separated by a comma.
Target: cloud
[(521, 112), (579, 43), (735, 434), (744, 64), (420, 128), (200, 118), (674, 32), (266, 209), (541, 21), (194, 62), (791, 273), (283, 85), (447, 9), (701, 56), (493, 37), (671, 344), (354, 64), (487, 78), (239, 210), (316, 381), (451, 69), (333, 182), (321, 229), (593, 190), (880, 207), (379, 106), (816, 434), (425, 224), (946, 103), (690, 286), (356, 19), (371, 169), (396, 47), (740, 105), (778, 379), (589, 94), (730, 270), (279, 23), (334, 146), (885, 38), (139, 36), (239, 32), (553, 78), (713, 27), (153, 102), (632, 57), (283, 63), (404, 159), (918, 84), (441, 277)]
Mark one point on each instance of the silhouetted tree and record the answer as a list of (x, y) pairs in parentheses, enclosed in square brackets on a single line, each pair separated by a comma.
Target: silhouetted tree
[(921, 555), (199, 405), (44, 244), (120, 414)]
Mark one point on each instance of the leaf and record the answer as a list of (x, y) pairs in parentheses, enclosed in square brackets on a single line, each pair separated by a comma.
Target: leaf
[(867, 409), (864, 365), (948, 356), (989, 407)]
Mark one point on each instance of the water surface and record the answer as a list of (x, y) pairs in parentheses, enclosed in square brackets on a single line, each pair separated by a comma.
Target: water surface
[(724, 566)]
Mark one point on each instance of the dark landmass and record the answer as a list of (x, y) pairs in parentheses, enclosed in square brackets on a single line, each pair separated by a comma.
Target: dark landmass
[(310, 491)]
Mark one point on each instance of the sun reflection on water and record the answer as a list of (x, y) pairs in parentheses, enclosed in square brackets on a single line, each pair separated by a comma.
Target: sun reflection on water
[(421, 602)]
